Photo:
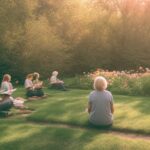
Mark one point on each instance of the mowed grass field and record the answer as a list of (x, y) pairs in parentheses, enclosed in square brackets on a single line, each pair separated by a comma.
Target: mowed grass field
[(60, 122), (131, 113)]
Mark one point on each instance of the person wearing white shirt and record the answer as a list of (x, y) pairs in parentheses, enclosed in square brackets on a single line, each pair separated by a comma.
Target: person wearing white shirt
[(55, 83), (30, 89)]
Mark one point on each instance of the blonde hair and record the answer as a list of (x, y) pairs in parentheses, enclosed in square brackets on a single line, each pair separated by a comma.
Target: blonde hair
[(29, 76), (7, 77), (36, 75), (100, 83)]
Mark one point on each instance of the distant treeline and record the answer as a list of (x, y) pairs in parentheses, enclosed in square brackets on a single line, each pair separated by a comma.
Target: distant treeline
[(73, 36)]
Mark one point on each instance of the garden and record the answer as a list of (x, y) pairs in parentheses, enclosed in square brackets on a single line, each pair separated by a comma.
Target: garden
[(62, 118), (51, 53)]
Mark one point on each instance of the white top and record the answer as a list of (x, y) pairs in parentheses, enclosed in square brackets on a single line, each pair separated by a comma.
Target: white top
[(6, 88), (28, 83), (53, 80)]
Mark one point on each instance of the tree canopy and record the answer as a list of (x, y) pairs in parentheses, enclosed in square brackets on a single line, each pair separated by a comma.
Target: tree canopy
[(73, 36)]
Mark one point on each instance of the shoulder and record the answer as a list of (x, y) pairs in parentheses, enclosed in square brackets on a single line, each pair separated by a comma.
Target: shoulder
[(92, 94), (52, 77), (4, 83), (26, 80), (108, 93)]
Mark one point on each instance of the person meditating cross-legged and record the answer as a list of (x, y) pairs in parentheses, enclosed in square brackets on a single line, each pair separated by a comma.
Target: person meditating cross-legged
[(34, 88), (30, 89), (38, 84), (100, 105), (8, 101), (55, 83), (6, 90)]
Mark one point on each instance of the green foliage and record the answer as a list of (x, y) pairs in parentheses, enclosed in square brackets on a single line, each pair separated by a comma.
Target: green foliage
[(72, 36), (79, 82), (145, 85), (119, 85), (137, 86)]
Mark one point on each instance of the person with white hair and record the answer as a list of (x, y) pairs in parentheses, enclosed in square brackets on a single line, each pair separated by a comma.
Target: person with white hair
[(100, 105), (55, 83)]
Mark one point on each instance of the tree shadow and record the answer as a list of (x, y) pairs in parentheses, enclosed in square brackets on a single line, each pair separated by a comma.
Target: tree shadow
[(138, 103), (47, 138)]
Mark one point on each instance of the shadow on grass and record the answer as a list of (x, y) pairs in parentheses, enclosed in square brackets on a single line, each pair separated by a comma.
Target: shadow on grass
[(69, 108), (34, 137), (89, 126), (140, 103)]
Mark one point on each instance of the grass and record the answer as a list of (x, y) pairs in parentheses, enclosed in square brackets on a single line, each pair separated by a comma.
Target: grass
[(132, 116), (132, 113), (19, 135)]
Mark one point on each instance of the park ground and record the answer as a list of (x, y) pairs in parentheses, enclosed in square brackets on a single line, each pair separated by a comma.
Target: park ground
[(59, 122)]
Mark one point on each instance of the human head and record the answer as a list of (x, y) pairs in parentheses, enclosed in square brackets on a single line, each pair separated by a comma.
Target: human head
[(30, 76), (54, 73), (7, 78), (36, 75), (100, 83)]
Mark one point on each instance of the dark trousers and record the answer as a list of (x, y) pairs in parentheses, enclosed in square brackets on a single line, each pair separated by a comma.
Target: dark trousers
[(37, 92), (6, 105), (58, 86)]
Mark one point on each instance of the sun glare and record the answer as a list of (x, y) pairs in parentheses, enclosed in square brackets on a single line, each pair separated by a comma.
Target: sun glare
[(84, 1)]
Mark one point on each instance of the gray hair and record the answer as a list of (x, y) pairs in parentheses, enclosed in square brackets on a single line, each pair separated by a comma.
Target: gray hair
[(55, 73), (100, 83)]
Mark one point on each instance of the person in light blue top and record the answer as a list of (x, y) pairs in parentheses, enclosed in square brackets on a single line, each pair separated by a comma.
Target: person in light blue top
[(100, 105)]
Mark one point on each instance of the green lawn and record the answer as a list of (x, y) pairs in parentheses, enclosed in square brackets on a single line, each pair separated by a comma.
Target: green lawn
[(67, 109), (19, 135), (131, 113)]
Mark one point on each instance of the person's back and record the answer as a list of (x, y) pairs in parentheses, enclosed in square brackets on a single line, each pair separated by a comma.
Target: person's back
[(101, 107)]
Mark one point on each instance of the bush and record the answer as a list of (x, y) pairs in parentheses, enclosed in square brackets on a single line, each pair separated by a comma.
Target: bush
[(119, 82), (80, 82)]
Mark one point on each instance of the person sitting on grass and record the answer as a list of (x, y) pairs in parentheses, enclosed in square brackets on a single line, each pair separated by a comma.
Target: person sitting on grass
[(33, 91), (100, 105), (7, 101), (30, 90), (38, 85), (55, 83)]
